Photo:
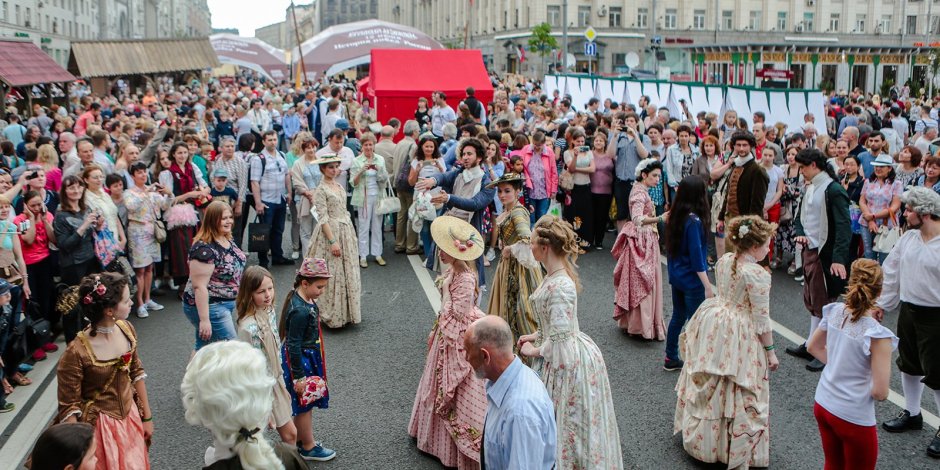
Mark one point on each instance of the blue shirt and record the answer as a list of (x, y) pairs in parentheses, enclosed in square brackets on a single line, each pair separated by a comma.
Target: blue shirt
[(448, 150), (291, 125), (866, 158), (684, 268), (520, 421), (627, 156)]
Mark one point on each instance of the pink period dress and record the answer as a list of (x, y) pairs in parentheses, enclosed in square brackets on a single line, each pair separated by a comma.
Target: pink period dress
[(450, 405), (638, 276)]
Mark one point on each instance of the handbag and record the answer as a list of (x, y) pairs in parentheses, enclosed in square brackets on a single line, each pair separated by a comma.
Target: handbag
[(786, 213), (8, 268), (566, 181), (887, 237), (106, 246), (259, 236), (159, 229), (389, 202), (39, 330)]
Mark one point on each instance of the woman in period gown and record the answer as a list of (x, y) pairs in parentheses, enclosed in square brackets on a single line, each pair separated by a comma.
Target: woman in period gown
[(335, 241), (723, 391), (450, 405), (638, 276), (572, 366), (514, 281)]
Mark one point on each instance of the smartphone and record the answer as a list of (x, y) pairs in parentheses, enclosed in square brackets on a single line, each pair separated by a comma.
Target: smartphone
[(584, 148), (32, 175)]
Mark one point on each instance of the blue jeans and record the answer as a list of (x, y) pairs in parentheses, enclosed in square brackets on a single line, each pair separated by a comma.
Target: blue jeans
[(220, 316), (868, 241), (541, 208), (427, 244), (274, 215), (684, 305)]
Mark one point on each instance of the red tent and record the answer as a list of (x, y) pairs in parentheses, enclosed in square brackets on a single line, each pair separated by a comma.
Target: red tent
[(398, 77)]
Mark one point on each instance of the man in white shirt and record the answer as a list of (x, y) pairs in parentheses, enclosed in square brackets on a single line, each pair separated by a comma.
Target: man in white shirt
[(911, 277), (271, 189), (260, 118), (85, 155), (331, 117), (335, 140), (441, 114)]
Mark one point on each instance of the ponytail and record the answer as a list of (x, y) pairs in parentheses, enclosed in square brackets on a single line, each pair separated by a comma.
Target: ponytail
[(864, 287)]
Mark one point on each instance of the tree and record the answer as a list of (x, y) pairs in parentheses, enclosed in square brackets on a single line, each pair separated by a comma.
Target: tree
[(542, 42)]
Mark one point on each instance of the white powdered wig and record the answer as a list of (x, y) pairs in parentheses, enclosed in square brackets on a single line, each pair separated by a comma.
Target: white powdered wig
[(922, 200), (228, 390)]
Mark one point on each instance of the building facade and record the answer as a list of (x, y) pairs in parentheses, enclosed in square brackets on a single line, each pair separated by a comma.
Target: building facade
[(334, 12), (283, 35), (664, 34), (53, 24)]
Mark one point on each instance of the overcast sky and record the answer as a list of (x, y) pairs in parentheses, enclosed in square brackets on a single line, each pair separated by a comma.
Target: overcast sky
[(248, 15)]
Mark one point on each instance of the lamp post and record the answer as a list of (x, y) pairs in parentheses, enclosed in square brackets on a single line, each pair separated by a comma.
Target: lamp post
[(564, 36)]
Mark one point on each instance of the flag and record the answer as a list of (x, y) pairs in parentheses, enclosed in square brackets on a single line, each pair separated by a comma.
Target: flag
[(520, 51)]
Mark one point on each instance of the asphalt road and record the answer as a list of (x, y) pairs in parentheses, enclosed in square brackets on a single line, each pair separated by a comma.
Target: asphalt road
[(374, 368)]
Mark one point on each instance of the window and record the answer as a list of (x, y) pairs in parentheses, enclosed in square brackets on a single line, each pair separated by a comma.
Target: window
[(670, 21), (860, 23), (834, 23), (885, 26), (934, 24), (911, 27), (642, 17), (698, 19), (6, 11), (516, 23), (584, 15), (781, 21), (620, 60), (727, 20), (554, 15), (753, 22), (614, 20), (809, 22)]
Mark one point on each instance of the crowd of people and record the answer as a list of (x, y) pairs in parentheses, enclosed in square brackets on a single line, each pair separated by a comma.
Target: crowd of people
[(112, 198)]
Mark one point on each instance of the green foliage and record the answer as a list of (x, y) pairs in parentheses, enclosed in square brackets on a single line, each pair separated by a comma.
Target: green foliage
[(542, 41)]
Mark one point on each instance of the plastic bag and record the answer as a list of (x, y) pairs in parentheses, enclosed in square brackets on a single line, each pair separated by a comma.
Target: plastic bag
[(421, 210)]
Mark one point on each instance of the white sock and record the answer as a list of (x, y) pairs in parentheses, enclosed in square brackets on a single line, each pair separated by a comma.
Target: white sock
[(913, 389), (813, 324)]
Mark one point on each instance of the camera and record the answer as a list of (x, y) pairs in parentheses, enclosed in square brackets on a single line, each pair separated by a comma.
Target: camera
[(583, 148)]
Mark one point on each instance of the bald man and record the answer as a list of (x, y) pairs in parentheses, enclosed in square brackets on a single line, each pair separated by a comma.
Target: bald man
[(386, 146), (519, 431)]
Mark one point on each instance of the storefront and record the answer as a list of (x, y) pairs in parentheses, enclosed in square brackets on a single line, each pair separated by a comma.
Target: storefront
[(809, 66)]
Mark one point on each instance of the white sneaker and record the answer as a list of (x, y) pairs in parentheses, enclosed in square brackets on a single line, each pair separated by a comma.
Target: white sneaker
[(142, 312), (173, 285), (490, 254), (151, 305), (295, 255)]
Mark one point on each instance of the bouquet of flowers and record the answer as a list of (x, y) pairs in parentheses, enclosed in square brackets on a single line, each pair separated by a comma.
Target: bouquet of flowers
[(314, 388)]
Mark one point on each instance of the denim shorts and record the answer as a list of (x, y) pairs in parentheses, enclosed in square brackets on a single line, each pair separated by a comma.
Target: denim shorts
[(220, 316)]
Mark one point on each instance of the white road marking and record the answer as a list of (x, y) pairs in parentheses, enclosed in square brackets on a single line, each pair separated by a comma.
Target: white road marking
[(434, 298), (22, 394), (34, 423)]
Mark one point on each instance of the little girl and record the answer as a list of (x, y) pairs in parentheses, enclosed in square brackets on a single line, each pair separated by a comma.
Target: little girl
[(257, 326), (303, 363), (856, 349)]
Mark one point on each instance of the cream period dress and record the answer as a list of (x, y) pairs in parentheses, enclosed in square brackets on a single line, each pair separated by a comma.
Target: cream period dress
[(723, 391), (339, 304), (575, 376)]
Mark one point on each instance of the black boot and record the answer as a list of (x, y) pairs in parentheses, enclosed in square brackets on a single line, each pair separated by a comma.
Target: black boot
[(933, 449), (800, 351), (905, 422)]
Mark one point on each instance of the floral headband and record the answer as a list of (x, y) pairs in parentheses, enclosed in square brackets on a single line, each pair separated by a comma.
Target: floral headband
[(98, 288), (463, 245)]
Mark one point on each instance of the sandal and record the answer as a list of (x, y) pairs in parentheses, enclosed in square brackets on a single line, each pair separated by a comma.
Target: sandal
[(21, 380)]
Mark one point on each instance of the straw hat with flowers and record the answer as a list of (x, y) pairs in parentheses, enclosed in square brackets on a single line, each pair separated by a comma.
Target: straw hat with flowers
[(457, 238)]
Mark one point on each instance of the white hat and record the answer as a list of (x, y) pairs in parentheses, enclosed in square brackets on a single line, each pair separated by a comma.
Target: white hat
[(883, 160)]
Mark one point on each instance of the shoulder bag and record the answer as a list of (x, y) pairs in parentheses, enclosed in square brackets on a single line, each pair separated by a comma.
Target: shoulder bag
[(389, 202), (887, 237), (159, 229)]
